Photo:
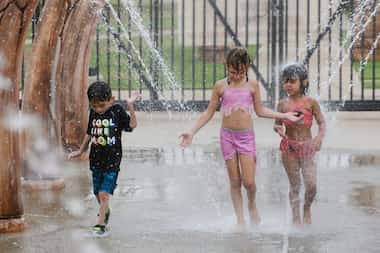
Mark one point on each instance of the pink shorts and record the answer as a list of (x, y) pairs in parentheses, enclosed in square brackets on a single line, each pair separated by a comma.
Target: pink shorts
[(237, 142)]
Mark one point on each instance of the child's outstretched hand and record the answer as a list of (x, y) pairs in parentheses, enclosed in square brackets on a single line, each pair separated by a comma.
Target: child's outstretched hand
[(292, 116), (74, 154), (186, 139), (135, 95)]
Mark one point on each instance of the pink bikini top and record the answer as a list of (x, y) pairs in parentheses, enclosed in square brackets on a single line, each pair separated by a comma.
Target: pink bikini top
[(307, 120), (234, 99)]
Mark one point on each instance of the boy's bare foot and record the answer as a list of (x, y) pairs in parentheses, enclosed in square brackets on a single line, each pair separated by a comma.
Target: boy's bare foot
[(307, 215)]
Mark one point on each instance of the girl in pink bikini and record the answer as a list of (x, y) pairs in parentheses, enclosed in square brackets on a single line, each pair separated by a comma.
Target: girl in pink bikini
[(297, 145), (239, 97)]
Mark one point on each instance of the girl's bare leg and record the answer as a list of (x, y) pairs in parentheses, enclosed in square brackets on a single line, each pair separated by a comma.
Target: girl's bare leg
[(248, 168), (309, 174), (292, 170), (235, 188)]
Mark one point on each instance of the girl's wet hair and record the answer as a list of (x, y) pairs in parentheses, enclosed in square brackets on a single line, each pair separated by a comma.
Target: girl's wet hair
[(238, 57), (99, 91), (295, 71)]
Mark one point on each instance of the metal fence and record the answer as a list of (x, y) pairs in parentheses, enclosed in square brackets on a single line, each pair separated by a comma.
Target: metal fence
[(173, 51)]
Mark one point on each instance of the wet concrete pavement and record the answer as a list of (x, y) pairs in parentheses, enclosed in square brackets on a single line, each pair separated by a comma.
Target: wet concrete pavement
[(174, 200), (359, 131)]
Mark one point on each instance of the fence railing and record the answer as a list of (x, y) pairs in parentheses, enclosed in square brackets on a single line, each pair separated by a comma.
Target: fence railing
[(173, 51)]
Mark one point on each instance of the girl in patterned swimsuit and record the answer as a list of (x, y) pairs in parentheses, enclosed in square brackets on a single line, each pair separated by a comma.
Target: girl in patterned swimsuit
[(239, 97), (297, 145)]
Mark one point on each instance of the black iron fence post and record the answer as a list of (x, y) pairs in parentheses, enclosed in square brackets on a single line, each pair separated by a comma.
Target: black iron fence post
[(108, 48), (156, 16), (107, 64), (281, 37), (119, 56), (273, 64)]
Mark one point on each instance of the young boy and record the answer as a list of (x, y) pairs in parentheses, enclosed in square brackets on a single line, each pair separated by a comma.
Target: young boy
[(105, 124)]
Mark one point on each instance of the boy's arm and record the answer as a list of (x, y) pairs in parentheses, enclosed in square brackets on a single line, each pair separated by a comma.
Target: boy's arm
[(131, 121), (83, 147), (132, 114)]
